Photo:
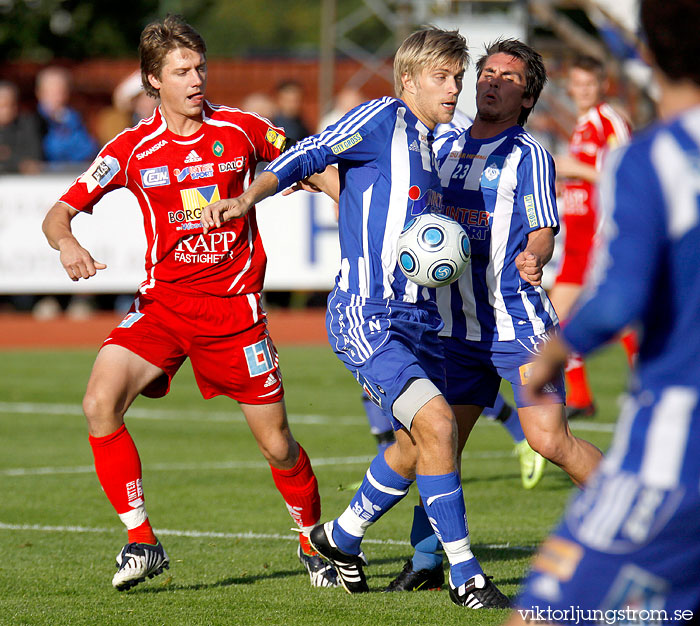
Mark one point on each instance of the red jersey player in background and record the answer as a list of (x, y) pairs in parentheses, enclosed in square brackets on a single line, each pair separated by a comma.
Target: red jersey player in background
[(201, 295), (599, 128)]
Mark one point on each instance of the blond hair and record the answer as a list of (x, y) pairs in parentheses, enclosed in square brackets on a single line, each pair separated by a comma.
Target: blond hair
[(428, 48)]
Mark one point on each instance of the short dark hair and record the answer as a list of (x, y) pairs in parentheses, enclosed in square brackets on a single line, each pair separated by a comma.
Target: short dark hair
[(535, 72), (671, 33), (590, 64), (160, 38)]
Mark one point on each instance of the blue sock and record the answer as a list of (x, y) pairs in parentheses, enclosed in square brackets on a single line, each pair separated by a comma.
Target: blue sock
[(381, 489), (493, 413), (444, 504), (512, 425), (507, 415), (380, 424), (428, 554)]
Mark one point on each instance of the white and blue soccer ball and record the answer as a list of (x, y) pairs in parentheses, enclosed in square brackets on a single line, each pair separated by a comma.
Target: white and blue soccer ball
[(433, 250)]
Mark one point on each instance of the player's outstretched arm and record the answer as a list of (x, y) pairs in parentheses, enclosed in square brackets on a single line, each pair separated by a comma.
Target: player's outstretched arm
[(76, 260), (217, 213)]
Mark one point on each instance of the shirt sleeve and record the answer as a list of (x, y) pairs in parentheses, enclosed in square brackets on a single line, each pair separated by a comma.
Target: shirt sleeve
[(269, 141), (357, 136), (106, 173), (535, 193), (628, 255)]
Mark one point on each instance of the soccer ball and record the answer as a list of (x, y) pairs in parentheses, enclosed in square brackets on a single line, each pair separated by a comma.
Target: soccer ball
[(433, 250)]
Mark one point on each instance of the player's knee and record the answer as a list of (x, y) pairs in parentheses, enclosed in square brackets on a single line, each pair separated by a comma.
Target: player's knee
[(437, 430), (98, 405), (550, 445), (279, 451)]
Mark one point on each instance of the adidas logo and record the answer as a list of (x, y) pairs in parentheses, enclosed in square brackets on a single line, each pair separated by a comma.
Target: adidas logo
[(271, 380), (414, 146), (192, 157)]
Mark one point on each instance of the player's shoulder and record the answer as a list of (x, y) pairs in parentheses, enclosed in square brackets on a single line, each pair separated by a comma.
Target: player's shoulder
[(530, 147), (221, 114), (130, 139), (378, 109)]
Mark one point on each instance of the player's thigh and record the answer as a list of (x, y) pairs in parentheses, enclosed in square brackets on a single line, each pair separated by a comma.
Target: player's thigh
[(157, 333), (117, 377), (466, 416), (544, 425), (268, 423)]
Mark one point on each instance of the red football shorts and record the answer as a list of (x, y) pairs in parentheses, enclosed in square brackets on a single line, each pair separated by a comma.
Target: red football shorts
[(580, 223), (226, 340)]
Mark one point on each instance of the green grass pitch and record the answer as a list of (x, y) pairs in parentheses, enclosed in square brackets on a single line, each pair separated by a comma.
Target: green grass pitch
[(211, 499)]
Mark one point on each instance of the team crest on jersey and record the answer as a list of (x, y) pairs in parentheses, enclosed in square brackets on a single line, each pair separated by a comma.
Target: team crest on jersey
[(259, 358), (346, 144), (155, 176), (276, 139), (102, 170), (491, 175), (217, 148)]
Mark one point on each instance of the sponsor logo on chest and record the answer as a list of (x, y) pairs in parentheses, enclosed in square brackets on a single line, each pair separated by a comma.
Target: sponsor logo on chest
[(195, 172), (155, 176), (151, 150)]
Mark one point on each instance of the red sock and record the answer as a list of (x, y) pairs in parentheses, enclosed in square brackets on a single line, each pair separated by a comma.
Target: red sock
[(631, 346), (118, 469), (578, 392), (299, 489)]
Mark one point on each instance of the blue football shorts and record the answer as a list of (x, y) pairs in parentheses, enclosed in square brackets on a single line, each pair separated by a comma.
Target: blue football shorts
[(629, 543), (386, 344), (474, 369)]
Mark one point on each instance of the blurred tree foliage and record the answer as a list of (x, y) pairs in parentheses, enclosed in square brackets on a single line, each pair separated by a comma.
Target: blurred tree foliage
[(75, 29)]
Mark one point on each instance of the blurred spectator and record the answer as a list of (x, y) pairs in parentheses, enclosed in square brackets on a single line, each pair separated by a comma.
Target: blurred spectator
[(290, 97), (20, 142), (260, 103), (65, 138), (130, 104), (346, 99)]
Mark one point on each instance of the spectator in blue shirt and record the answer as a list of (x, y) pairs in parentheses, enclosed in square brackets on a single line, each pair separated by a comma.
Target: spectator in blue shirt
[(65, 138)]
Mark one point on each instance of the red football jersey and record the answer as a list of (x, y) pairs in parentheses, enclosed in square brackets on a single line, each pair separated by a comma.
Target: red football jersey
[(173, 177), (598, 130)]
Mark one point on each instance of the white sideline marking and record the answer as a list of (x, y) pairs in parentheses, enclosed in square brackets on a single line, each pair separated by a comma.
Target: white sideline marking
[(196, 534), (75, 410), (31, 408), (224, 465)]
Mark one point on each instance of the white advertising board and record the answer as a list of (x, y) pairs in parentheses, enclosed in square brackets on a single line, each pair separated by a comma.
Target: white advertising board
[(299, 233)]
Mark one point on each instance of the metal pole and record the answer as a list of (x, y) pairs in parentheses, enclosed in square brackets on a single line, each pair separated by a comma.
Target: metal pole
[(327, 57)]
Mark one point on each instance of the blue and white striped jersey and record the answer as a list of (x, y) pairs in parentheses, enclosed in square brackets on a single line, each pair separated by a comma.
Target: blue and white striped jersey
[(387, 175), (646, 268), (500, 189)]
